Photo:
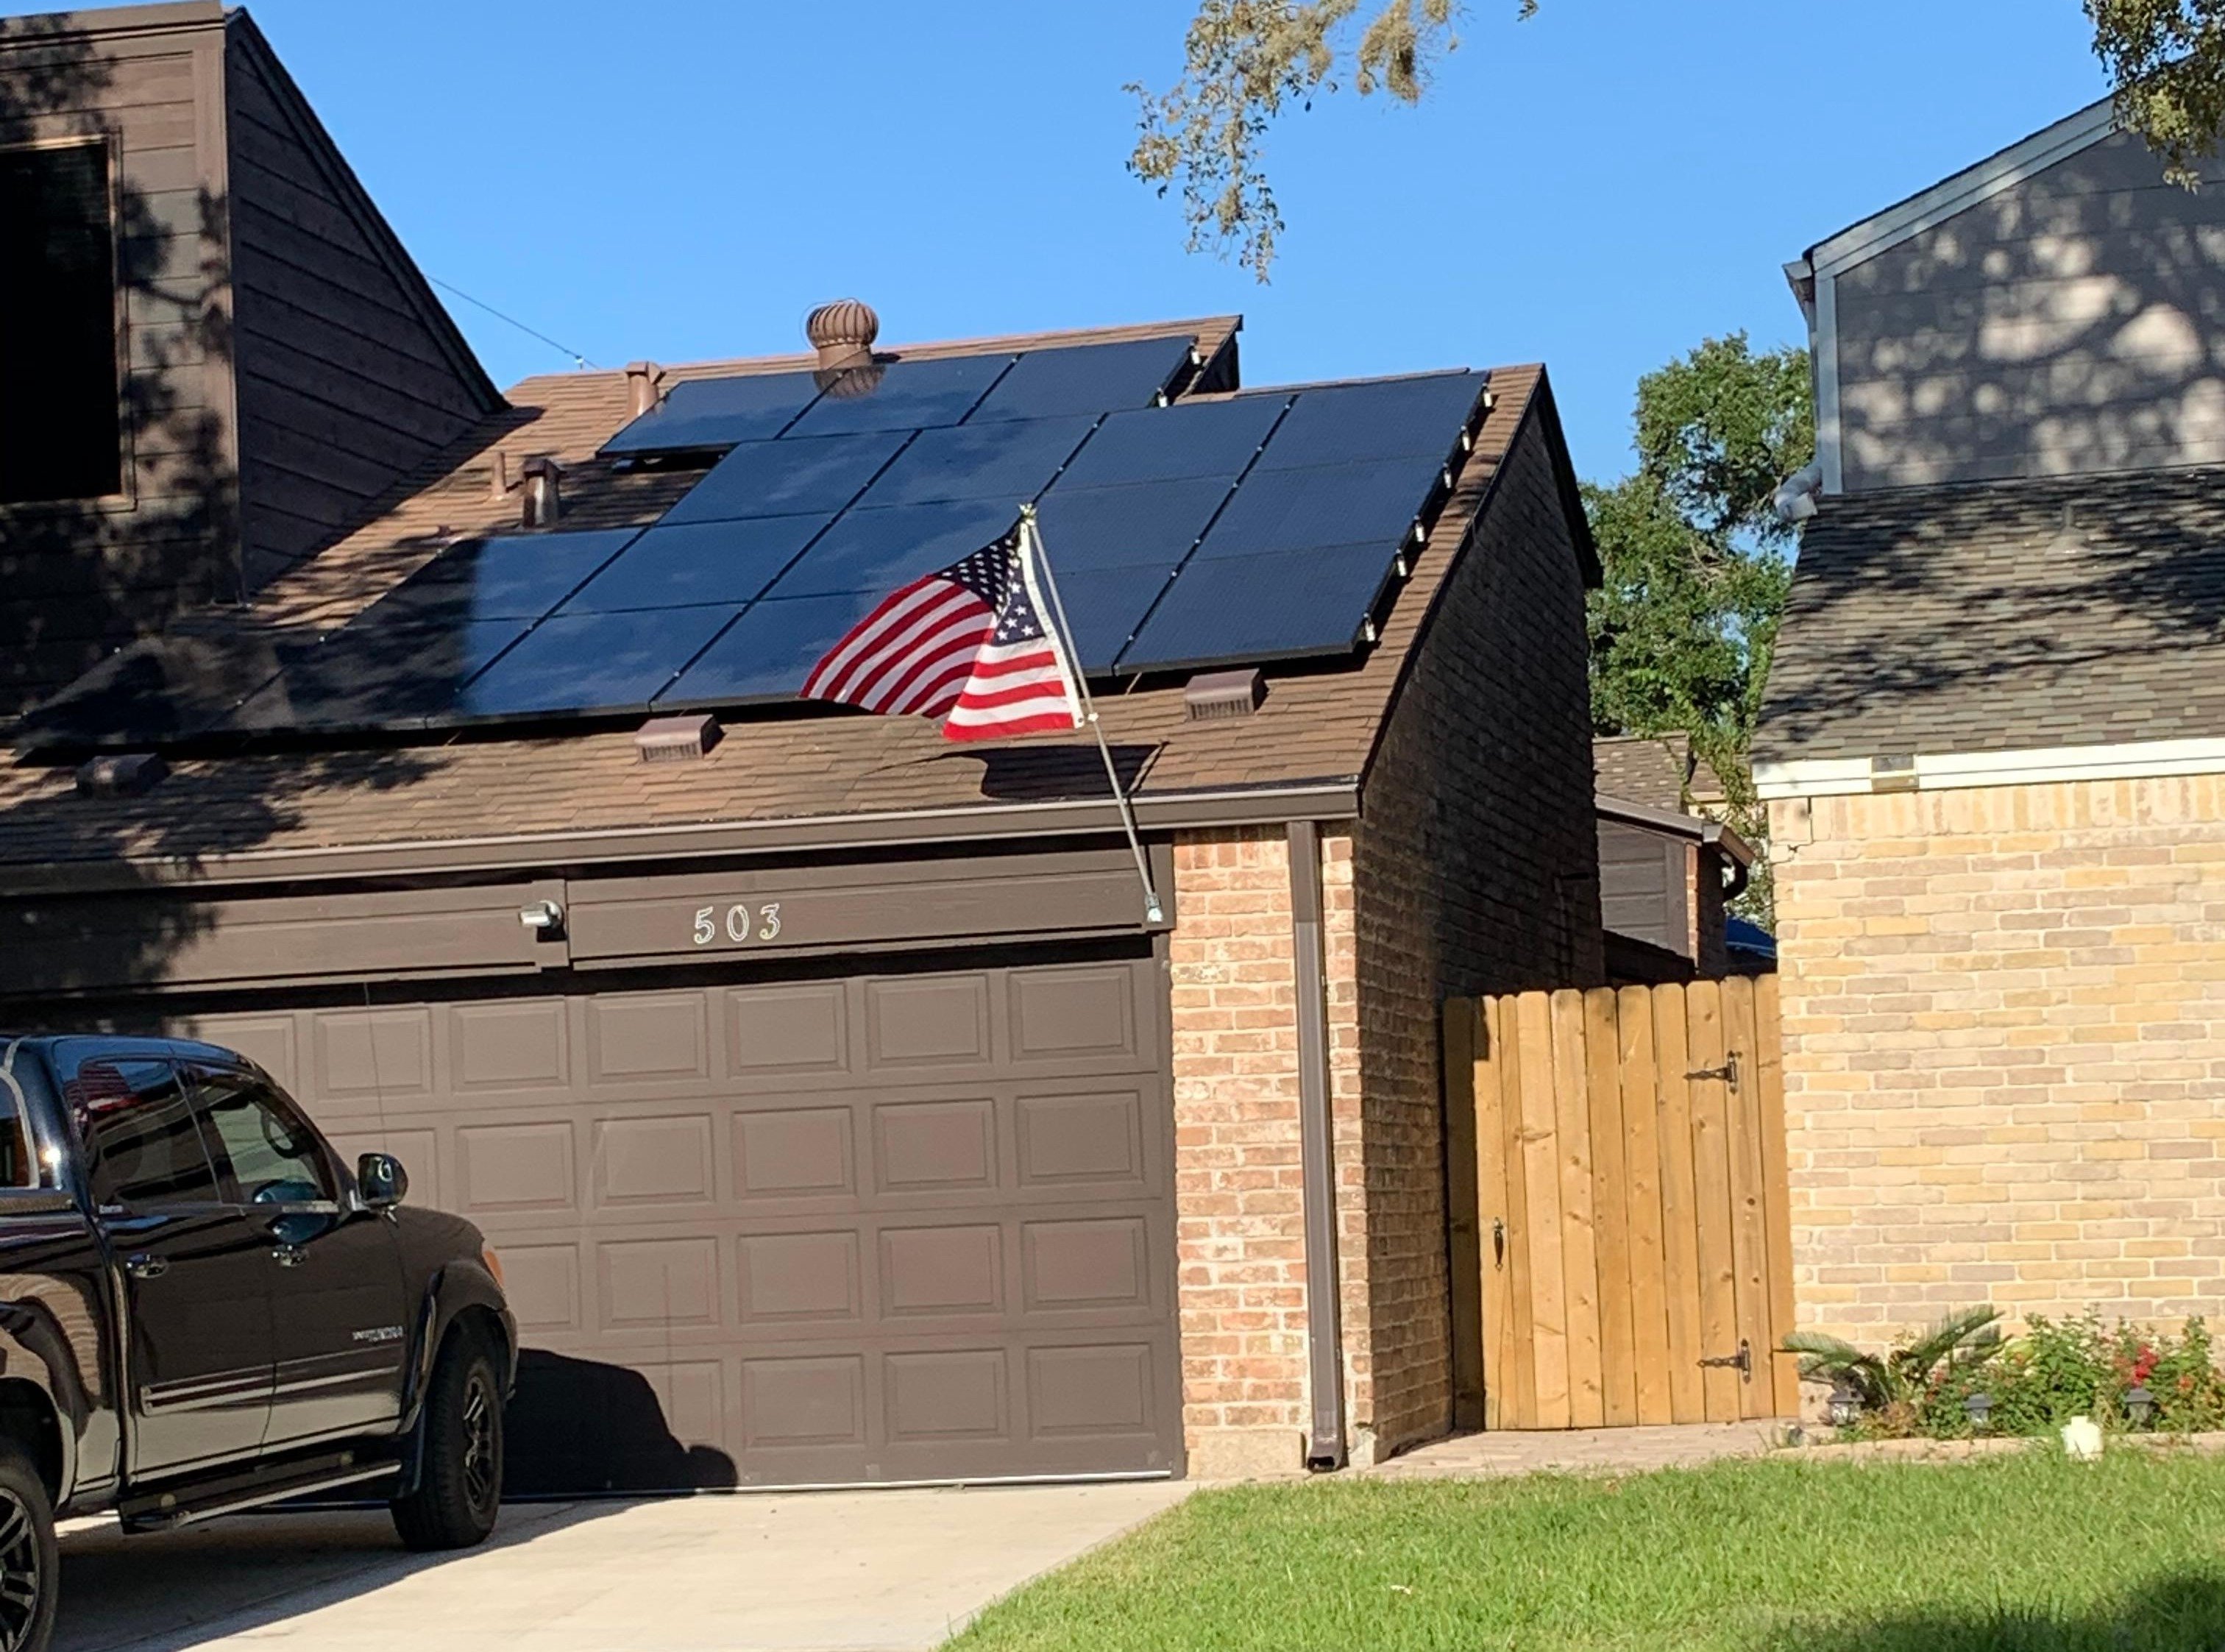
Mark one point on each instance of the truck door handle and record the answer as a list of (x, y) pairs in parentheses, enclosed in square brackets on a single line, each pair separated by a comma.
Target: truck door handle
[(145, 1267), (290, 1255)]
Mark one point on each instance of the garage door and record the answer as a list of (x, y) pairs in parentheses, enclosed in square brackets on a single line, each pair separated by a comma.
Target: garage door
[(890, 1227)]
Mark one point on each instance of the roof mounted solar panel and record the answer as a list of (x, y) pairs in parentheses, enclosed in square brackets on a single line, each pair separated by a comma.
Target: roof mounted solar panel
[(160, 689), (699, 413), (1328, 504), (1390, 418), (1087, 378), (377, 674), (901, 395), (1012, 460), (673, 567), (1168, 443), (796, 476), (1104, 607), (1147, 524), (766, 654), (1276, 605), (587, 664), (508, 576), (876, 550)]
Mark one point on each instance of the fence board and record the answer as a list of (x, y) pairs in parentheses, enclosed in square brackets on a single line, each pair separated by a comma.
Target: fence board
[(1680, 1222), (1541, 1174), (1769, 1066), (1579, 1228), (1749, 1238), (1519, 1356), (1711, 1185), (1610, 1212), (1463, 1166), (1641, 1157)]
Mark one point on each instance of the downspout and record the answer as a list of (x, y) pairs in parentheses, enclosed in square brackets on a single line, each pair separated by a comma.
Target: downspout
[(1316, 1155)]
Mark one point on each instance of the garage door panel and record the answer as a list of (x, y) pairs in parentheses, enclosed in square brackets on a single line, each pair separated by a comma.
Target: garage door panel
[(638, 1039), (927, 1022), (523, 1047), (775, 1033), (795, 1153), (886, 1226), (272, 1042), (654, 1161)]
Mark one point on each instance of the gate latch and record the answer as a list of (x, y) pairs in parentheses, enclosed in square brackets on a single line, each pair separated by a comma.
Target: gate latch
[(1497, 1242), (1741, 1362), (1728, 1072)]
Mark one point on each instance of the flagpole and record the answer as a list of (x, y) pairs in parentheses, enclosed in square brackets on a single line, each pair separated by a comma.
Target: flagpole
[(1032, 545)]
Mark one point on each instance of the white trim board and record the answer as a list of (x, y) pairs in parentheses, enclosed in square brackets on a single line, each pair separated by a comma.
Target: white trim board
[(1841, 777), (1920, 211)]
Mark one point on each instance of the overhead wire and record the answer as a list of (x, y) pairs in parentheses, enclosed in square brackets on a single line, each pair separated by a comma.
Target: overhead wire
[(532, 333)]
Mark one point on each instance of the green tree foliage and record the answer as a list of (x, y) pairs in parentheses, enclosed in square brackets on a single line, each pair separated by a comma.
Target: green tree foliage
[(1696, 563), (1245, 62)]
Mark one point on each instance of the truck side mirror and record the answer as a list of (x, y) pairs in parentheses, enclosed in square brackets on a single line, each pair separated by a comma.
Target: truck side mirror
[(381, 1181)]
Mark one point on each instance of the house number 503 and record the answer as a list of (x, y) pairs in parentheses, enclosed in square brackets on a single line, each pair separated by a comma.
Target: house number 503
[(740, 924)]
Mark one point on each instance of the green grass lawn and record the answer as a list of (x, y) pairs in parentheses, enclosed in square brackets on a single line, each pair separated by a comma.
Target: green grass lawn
[(2029, 1552)]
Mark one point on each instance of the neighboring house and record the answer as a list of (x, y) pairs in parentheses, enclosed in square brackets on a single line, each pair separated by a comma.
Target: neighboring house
[(1666, 867), (1993, 742), (835, 1109)]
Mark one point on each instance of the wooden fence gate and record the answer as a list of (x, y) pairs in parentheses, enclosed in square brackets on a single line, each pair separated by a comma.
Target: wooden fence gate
[(1630, 1260)]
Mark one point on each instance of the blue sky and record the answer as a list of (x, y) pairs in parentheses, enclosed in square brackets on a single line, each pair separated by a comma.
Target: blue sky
[(1599, 188)]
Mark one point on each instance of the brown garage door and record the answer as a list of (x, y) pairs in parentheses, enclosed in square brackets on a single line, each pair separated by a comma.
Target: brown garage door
[(888, 1227)]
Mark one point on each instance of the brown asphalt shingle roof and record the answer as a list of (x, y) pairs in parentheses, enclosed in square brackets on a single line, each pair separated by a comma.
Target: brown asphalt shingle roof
[(1970, 618), (1660, 770), (1314, 727)]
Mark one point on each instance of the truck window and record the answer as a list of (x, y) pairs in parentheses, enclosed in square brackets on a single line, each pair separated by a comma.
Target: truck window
[(269, 1155), (19, 1164), (143, 1150)]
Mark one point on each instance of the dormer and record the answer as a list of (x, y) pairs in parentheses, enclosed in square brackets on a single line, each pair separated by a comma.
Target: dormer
[(215, 356)]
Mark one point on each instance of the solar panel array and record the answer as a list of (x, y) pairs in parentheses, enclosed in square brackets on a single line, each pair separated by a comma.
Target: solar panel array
[(1241, 530)]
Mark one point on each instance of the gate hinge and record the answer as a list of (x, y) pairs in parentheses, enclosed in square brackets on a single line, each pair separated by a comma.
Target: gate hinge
[(1728, 1072), (1741, 1362)]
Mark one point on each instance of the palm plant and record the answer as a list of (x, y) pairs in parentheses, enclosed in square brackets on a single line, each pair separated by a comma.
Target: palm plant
[(1900, 1377)]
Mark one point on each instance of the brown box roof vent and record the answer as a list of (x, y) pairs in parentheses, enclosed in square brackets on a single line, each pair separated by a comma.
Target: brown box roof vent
[(675, 739), (1223, 694), (126, 774)]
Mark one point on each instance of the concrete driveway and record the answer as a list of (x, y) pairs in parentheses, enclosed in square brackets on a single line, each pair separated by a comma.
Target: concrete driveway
[(821, 1571)]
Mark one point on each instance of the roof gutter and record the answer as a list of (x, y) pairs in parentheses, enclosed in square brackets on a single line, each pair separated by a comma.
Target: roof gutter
[(796, 835)]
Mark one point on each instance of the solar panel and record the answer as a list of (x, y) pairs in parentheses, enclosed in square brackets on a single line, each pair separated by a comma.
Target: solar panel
[(510, 577), (698, 413), (1146, 525), (878, 550), (1084, 378), (1279, 605), (159, 689), (901, 395), (1330, 504), (794, 476), (1165, 443), (1104, 606), (374, 674), (1012, 460), (767, 653), (696, 562), (609, 663), (1391, 418)]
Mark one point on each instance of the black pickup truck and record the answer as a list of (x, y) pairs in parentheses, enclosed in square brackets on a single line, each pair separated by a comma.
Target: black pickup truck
[(202, 1310)]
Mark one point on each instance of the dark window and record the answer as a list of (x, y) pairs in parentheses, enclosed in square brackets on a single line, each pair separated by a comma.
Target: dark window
[(266, 1151), (60, 431), (143, 1149)]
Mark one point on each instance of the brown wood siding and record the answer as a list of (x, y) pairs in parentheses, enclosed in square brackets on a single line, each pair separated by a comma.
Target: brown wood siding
[(1642, 886), (83, 577), (349, 376)]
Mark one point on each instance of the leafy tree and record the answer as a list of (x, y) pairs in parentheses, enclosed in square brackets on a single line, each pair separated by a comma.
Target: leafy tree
[(1245, 62), (1697, 564)]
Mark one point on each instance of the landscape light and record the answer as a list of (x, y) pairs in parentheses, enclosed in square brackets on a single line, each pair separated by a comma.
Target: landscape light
[(1845, 1405), (2140, 1404), (1980, 1409)]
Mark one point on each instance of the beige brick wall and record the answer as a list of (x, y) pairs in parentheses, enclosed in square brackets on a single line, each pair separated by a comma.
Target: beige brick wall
[(2004, 1020)]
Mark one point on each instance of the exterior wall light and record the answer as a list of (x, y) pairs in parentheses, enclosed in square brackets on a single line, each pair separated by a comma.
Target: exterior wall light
[(541, 915)]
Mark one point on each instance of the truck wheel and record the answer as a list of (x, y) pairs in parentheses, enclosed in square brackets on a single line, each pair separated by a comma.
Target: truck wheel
[(460, 1485), (30, 1565)]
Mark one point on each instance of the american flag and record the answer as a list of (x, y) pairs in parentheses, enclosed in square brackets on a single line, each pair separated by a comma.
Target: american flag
[(966, 644)]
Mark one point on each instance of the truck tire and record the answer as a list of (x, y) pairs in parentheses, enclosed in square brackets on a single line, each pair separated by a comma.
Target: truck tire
[(459, 1480), (30, 1565)]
